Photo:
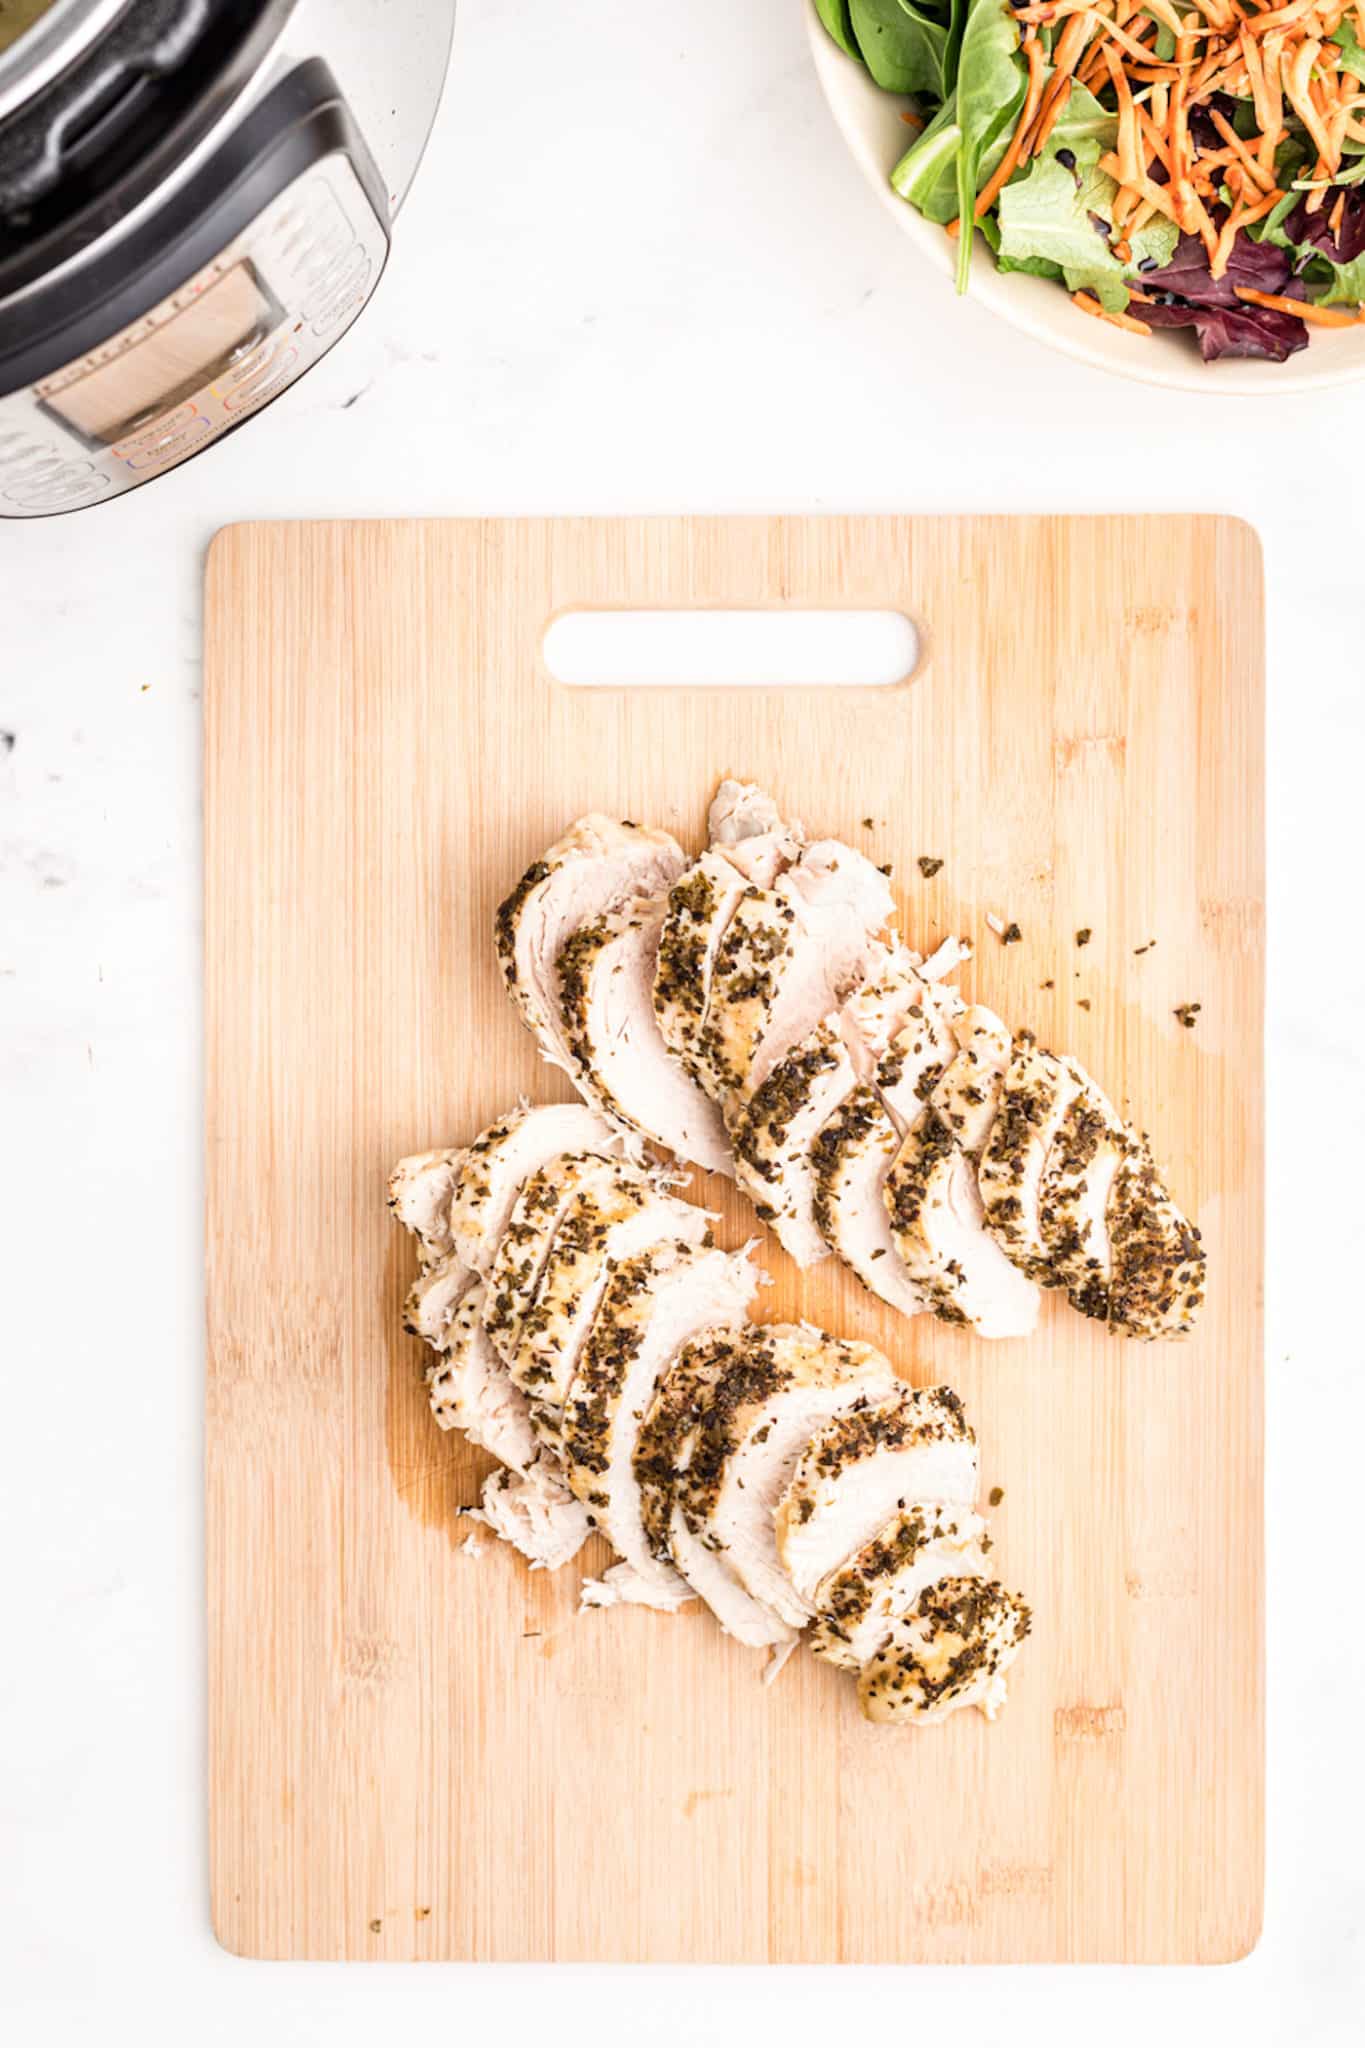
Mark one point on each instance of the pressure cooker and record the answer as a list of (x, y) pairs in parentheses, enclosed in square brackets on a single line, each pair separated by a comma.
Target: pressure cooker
[(196, 202)]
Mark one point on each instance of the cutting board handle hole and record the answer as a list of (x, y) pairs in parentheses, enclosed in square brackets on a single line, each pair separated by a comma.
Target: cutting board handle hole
[(759, 648)]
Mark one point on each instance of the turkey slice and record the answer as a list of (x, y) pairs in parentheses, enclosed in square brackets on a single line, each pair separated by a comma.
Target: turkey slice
[(787, 1382), (668, 1430), (1073, 1200), (921, 1543), (938, 1227), (471, 1389), (600, 1227), (778, 1126), (745, 822), (790, 955), (951, 1650), (1158, 1262), (536, 1514), (524, 1248), (495, 1168), (968, 1094), (654, 1303), (420, 1189), (433, 1299), (750, 846), (1035, 1094), (606, 987), (851, 1160), (599, 864), (864, 1464)]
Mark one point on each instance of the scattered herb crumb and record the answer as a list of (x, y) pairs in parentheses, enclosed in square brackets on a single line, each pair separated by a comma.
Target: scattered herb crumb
[(375, 1926), (1047, 984), (885, 869), (929, 865), (1084, 1002), (1187, 1012), (424, 1912), (1084, 935), (868, 824), (1011, 935), (995, 1496), (1138, 951)]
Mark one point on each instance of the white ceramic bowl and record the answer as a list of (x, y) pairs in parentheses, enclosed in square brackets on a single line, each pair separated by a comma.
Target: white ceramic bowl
[(870, 122)]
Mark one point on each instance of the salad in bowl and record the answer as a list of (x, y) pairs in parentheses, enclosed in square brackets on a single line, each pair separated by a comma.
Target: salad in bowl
[(1188, 164)]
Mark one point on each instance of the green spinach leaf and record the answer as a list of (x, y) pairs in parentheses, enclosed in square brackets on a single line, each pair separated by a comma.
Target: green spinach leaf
[(927, 174), (904, 46), (835, 16), (991, 81)]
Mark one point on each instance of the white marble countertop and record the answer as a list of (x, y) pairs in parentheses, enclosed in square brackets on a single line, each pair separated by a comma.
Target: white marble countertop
[(638, 273)]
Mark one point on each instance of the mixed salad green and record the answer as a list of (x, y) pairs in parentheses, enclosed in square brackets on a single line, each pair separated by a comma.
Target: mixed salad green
[(1172, 164)]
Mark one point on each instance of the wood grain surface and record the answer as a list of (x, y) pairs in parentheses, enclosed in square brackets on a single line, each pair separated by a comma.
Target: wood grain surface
[(416, 1753)]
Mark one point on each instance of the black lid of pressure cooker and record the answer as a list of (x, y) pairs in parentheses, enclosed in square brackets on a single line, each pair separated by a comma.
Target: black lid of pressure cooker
[(96, 139)]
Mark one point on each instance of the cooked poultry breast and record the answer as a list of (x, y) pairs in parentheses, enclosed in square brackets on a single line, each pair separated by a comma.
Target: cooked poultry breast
[(605, 1358), (754, 1013), (599, 864), (606, 985)]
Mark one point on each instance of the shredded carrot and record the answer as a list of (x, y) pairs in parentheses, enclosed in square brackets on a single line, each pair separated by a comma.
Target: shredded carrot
[(1009, 162), (1302, 309), (911, 120), (1229, 134), (1334, 218), (1097, 312)]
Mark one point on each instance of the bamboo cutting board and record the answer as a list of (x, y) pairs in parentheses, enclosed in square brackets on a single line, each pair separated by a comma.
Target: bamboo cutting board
[(415, 1753)]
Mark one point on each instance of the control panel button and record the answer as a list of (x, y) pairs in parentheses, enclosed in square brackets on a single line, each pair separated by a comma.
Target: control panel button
[(263, 387), (75, 480), (169, 447), (346, 304), (155, 432)]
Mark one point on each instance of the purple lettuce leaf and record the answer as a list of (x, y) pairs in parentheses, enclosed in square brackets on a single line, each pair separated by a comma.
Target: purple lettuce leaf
[(1254, 266), (1225, 324), (1314, 230), (1239, 330)]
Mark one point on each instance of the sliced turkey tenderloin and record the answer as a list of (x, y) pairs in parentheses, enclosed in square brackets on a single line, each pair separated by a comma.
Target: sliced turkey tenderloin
[(433, 1297), (750, 847), (921, 1543), (420, 1190), (668, 1429), (471, 1389), (951, 1650), (1158, 1263), (1035, 1094), (535, 1513), (746, 824), (778, 1126), (495, 1168), (599, 864), (934, 1205), (913, 1445), (601, 1226), (851, 1160), (1073, 1200), (654, 1304), (788, 1382), (524, 1248), (606, 987), (968, 1094), (790, 955)]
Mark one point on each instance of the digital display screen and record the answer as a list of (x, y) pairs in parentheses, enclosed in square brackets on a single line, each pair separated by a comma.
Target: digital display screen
[(176, 358)]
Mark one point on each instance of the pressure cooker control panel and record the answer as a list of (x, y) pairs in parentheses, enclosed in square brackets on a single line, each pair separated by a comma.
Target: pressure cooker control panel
[(208, 356)]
